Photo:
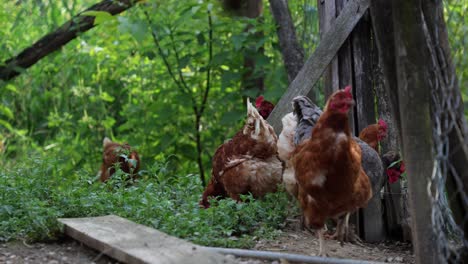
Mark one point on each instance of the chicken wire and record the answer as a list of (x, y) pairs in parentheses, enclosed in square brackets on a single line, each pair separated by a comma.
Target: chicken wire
[(450, 239), (449, 236)]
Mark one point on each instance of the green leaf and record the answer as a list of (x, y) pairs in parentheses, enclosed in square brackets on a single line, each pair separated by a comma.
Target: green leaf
[(99, 16), (6, 125), (220, 58), (12, 88), (106, 97), (238, 41), (394, 163), (201, 39), (6, 111), (137, 29), (231, 117), (108, 122), (228, 78), (184, 61)]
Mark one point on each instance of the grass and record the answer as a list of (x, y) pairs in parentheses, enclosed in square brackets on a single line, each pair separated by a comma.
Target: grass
[(38, 190)]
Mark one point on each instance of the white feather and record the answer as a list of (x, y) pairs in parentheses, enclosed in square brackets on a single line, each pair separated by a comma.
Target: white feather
[(286, 138)]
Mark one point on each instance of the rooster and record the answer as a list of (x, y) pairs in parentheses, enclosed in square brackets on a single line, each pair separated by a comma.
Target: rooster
[(374, 133), (248, 163), (121, 155), (331, 180), (264, 107)]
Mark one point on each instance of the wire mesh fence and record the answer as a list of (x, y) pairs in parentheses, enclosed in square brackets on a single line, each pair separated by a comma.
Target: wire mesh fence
[(447, 188)]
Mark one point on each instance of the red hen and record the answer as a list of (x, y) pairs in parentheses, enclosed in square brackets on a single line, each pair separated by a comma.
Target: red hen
[(373, 134), (248, 163), (331, 180), (121, 154)]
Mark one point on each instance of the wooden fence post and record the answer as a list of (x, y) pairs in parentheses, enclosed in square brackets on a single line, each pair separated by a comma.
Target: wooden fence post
[(371, 216), (413, 65), (386, 85)]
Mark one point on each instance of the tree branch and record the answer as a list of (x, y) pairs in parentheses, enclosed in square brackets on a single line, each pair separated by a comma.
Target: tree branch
[(176, 53), (293, 54), (55, 40), (210, 58), (204, 99)]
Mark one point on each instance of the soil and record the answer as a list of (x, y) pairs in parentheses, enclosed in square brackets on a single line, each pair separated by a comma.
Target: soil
[(291, 240), (297, 241), (64, 251)]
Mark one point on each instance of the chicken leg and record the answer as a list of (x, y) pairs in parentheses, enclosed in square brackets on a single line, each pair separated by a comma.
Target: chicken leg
[(323, 252), (342, 229)]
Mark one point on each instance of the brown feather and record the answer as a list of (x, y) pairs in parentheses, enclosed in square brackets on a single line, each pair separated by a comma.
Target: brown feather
[(328, 170), (248, 163), (113, 154)]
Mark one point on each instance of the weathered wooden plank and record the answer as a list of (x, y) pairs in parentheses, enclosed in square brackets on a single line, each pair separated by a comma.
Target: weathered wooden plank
[(363, 83), (345, 69), (129, 242), (328, 14), (316, 64), (386, 86)]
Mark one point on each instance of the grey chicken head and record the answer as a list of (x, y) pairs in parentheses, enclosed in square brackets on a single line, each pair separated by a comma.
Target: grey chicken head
[(307, 114)]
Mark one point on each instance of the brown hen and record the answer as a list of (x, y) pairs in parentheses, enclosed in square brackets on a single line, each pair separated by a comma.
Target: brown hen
[(120, 155), (248, 163), (373, 134), (331, 180)]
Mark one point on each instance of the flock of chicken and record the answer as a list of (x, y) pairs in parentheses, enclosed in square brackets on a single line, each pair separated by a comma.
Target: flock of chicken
[(330, 172)]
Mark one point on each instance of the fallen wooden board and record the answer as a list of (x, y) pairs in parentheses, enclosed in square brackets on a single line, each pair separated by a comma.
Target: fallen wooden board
[(129, 242)]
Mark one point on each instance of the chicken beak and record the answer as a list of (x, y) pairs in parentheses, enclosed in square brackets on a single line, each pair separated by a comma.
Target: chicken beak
[(351, 103)]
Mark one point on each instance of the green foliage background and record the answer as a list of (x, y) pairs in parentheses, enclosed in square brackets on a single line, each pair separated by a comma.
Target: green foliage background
[(112, 81)]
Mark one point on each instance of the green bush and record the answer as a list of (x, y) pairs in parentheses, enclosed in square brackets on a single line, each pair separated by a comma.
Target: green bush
[(37, 191)]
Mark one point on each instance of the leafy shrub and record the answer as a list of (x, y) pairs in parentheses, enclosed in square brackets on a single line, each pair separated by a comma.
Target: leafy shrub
[(37, 191)]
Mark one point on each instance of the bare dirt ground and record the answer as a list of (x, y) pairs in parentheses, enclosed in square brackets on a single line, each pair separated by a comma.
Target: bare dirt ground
[(292, 240), (295, 240), (65, 251)]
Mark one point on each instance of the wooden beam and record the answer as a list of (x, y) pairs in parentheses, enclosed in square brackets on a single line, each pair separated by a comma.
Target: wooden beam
[(316, 64), (129, 242)]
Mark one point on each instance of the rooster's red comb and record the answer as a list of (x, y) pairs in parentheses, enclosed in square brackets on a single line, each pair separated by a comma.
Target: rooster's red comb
[(259, 101), (382, 123), (348, 89), (402, 167)]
